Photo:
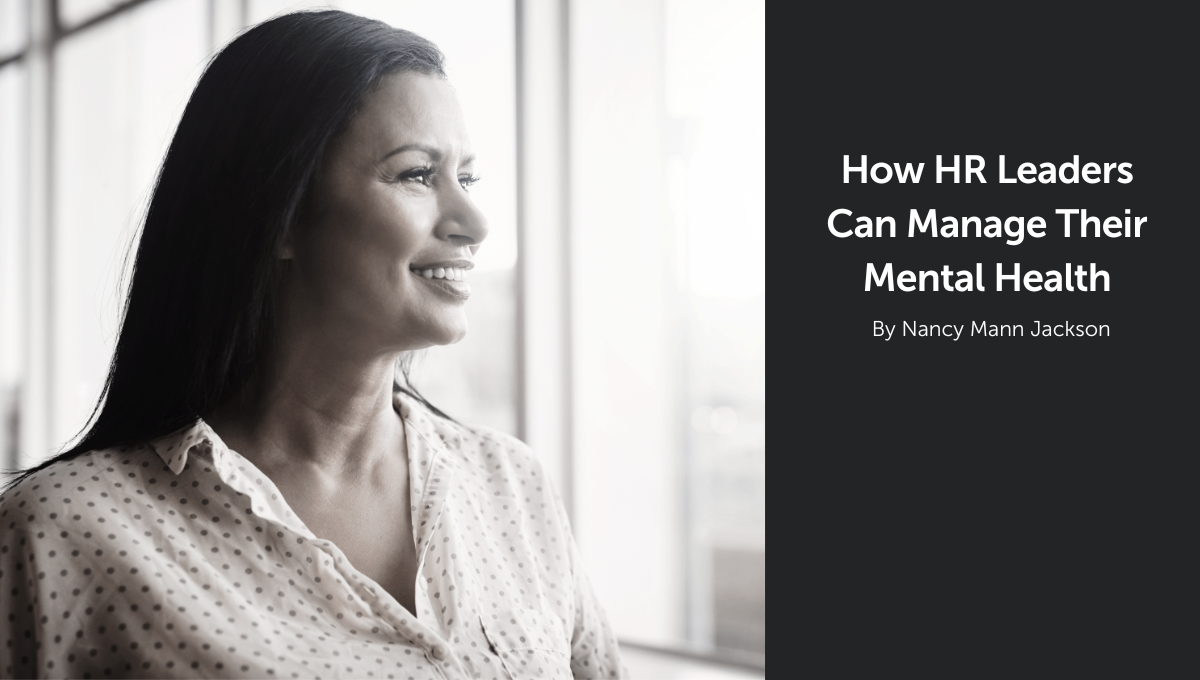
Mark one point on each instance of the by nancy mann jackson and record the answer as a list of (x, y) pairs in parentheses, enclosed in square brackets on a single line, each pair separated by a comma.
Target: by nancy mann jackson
[(987, 329)]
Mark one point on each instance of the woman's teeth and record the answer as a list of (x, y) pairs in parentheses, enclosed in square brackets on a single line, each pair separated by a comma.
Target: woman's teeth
[(451, 273)]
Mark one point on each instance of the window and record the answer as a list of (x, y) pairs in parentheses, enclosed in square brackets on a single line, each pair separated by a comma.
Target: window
[(12, 246), (119, 89), (668, 317)]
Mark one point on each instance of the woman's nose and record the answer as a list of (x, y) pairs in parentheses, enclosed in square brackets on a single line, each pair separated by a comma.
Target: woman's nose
[(462, 222)]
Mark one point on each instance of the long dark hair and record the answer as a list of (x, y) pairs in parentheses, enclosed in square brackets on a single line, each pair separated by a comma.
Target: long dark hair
[(198, 319)]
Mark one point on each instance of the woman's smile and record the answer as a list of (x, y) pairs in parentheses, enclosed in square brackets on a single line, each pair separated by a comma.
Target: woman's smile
[(449, 278)]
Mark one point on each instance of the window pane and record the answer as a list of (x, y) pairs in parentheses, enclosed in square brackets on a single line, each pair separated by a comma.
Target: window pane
[(668, 279), (13, 153), (474, 380), (627, 368), (74, 12), (14, 26), (723, 229), (120, 90)]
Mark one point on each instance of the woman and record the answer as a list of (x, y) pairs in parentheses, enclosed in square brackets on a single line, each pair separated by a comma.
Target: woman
[(257, 496)]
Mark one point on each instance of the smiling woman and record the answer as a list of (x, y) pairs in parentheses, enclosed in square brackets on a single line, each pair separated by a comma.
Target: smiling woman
[(261, 492), (379, 259)]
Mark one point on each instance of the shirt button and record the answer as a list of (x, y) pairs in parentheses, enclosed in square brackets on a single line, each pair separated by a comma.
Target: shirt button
[(439, 652)]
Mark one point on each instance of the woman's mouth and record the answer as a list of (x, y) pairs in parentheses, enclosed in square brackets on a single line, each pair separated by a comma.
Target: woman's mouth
[(449, 281), (449, 273)]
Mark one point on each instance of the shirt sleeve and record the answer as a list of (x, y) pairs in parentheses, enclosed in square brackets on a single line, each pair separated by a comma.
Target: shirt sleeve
[(594, 650)]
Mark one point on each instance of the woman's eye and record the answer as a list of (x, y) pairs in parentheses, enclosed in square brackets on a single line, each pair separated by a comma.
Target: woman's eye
[(467, 180), (423, 176)]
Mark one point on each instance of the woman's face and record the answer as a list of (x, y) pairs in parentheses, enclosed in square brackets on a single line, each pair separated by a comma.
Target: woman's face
[(380, 266)]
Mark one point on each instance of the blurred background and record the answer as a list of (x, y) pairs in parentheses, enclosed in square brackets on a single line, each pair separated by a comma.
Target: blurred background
[(618, 319)]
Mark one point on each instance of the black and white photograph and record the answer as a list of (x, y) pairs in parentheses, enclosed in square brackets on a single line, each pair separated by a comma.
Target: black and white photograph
[(383, 339)]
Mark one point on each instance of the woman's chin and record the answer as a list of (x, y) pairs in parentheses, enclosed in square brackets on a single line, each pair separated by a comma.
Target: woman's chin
[(446, 332)]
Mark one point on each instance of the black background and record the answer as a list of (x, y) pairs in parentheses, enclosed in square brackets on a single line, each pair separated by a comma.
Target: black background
[(991, 506)]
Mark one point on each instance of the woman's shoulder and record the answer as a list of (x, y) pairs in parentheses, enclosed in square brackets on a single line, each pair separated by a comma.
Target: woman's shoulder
[(460, 436), (491, 439), (493, 448), (504, 461), (65, 488)]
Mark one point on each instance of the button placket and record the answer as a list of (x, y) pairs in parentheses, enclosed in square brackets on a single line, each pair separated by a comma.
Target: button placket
[(431, 472)]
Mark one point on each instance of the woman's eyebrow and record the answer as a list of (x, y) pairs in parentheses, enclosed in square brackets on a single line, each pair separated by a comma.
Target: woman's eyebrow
[(437, 155), (433, 152)]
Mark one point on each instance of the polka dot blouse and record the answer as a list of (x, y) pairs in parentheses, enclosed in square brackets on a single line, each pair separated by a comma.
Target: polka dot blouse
[(179, 558)]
